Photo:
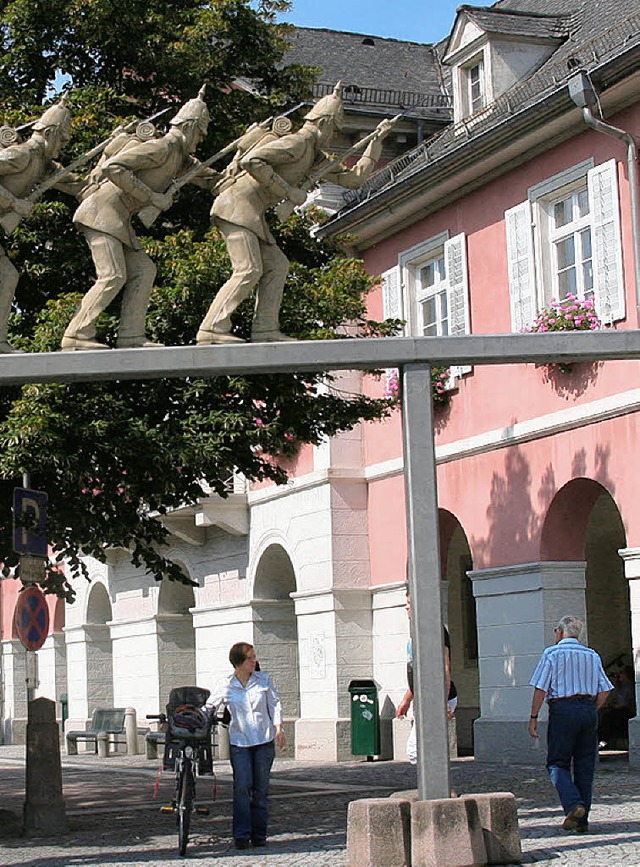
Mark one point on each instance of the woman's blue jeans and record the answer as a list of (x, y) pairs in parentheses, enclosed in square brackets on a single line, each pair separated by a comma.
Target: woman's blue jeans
[(251, 771), (572, 748)]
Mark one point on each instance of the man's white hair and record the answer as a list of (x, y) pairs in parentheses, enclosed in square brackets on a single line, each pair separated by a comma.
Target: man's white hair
[(570, 626)]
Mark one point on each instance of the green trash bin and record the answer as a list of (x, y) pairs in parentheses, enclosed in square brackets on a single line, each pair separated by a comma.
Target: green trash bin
[(64, 708), (365, 718)]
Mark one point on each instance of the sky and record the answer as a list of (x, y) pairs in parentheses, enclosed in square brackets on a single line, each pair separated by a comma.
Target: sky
[(411, 20)]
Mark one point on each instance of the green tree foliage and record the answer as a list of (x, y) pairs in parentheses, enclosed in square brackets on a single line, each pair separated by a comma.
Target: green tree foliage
[(115, 457)]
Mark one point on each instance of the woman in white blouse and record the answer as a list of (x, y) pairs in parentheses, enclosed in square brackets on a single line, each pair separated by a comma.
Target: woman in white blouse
[(255, 728)]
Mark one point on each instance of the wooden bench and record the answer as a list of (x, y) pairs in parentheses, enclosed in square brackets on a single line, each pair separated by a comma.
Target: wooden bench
[(107, 726)]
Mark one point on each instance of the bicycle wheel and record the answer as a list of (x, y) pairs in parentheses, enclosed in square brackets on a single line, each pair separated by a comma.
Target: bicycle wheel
[(184, 804)]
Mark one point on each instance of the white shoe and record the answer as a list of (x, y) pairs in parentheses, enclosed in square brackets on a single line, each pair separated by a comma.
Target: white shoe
[(70, 344), (274, 336)]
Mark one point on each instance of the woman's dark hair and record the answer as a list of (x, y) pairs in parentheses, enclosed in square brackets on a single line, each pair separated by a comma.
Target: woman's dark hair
[(238, 653)]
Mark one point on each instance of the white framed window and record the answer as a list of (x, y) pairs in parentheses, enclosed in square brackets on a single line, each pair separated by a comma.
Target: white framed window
[(476, 90), (570, 249), (432, 308), (429, 289), (565, 239)]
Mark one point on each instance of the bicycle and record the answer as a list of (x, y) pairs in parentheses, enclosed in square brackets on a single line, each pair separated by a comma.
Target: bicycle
[(189, 750)]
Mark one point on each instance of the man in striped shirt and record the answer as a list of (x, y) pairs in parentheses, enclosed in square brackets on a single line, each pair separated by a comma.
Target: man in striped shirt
[(571, 678)]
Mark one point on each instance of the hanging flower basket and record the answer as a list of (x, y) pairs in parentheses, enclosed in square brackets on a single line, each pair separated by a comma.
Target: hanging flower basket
[(440, 390), (569, 314)]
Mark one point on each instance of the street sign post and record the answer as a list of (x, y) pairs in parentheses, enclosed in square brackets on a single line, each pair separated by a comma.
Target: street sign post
[(32, 618), (30, 522)]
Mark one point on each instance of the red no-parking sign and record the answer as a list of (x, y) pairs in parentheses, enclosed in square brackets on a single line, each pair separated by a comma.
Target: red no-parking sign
[(32, 618)]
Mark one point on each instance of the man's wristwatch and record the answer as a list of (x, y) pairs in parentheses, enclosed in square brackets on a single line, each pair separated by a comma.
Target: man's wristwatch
[(533, 717)]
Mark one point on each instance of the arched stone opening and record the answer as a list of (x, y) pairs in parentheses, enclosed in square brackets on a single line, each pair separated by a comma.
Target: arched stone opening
[(584, 523), (275, 625), (176, 639), (99, 656), (459, 612)]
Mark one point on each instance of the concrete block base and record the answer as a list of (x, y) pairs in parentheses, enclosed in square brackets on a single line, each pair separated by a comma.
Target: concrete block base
[(634, 743), (323, 740), (15, 731), (499, 820), (507, 742), (378, 833), (447, 833), (401, 729)]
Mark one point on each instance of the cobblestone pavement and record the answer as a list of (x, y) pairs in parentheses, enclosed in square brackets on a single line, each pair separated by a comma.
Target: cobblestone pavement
[(114, 818)]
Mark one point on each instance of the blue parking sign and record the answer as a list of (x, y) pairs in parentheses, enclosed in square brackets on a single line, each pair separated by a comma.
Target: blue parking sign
[(30, 539)]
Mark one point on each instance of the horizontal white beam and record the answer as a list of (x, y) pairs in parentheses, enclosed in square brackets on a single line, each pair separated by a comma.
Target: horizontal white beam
[(311, 355)]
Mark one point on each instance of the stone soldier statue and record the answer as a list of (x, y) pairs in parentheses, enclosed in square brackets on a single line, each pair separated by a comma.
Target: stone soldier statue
[(271, 172), (136, 176), (22, 167)]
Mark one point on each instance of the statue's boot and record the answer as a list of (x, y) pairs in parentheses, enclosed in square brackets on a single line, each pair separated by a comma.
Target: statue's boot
[(70, 344), (206, 337), (273, 336), (136, 343), (7, 348)]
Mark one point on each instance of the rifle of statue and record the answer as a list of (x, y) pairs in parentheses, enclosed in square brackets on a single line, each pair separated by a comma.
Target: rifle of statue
[(286, 208), (149, 214), (10, 220)]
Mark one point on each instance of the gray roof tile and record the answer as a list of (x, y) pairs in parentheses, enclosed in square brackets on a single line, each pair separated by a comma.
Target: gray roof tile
[(508, 23), (366, 61)]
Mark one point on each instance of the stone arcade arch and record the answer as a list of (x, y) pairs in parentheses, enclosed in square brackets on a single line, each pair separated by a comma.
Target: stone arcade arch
[(98, 667), (176, 640), (275, 626), (583, 523), (460, 615), (414, 356)]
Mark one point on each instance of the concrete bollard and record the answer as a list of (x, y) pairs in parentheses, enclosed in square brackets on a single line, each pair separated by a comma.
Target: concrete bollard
[(447, 833), (223, 742), (102, 742), (378, 833), (44, 810), (499, 820), (131, 731)]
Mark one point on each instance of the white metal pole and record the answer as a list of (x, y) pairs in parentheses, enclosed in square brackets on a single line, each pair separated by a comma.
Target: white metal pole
[(429, 700)]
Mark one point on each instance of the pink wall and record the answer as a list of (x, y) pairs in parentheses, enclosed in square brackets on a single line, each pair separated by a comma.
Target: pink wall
[(9, 590), (501, 497)]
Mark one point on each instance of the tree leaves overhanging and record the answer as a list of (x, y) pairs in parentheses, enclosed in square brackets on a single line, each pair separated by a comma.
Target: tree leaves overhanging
[(115, 457)]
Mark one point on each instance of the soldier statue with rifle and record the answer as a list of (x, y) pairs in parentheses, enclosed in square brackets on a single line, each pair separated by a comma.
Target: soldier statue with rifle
[(27, 169), (278, 169), (138, 175)]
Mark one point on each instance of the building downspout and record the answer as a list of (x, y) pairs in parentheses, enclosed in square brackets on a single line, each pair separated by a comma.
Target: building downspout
[(632, 171)]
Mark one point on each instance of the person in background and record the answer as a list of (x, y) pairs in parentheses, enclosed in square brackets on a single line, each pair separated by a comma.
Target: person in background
[(619, 708), (571, 678), (452, 693), (254, 730)]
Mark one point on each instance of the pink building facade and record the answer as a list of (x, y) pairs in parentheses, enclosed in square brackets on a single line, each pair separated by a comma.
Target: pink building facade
[(517, 205)]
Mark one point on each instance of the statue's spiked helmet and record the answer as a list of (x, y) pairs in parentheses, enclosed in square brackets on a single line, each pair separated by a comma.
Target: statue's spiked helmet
[(194, 110), (329, 106), (56, 116)]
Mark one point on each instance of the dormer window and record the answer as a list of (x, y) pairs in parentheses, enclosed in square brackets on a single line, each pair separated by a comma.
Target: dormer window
[(475, 86), (491, 50)]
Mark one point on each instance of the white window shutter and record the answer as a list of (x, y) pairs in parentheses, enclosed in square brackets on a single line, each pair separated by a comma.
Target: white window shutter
[(455, 257), (391, 294), (391, 309), (607, 248), (521, 265)]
